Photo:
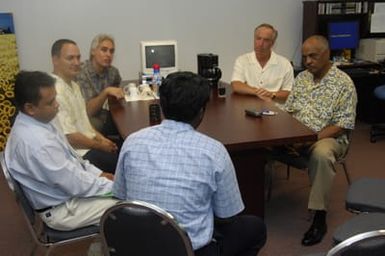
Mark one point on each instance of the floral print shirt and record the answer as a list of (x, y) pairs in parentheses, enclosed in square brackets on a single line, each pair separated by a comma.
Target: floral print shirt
[(332, 101)]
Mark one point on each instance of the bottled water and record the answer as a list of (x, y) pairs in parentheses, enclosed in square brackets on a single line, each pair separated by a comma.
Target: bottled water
[(156, 79)]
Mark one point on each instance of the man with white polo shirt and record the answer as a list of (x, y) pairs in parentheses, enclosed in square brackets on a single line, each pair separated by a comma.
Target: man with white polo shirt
[(262, 72)]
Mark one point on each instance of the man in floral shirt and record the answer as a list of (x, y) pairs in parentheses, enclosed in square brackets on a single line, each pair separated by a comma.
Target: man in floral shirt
[(324, 99)]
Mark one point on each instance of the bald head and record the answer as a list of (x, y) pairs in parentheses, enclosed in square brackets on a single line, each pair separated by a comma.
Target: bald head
[(316, 55), (317, 41)]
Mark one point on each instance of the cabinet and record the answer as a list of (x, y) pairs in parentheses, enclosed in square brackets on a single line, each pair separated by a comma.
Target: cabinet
[(317, 15)]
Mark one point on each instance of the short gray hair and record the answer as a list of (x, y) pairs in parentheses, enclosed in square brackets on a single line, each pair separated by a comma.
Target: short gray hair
[(98, 39), (267, 25), (323, 42)]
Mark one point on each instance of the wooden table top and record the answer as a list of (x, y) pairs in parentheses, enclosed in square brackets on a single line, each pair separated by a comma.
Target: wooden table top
[(225, 121)]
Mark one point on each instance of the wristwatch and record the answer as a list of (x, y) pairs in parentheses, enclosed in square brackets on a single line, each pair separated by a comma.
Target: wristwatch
[(274, 96)]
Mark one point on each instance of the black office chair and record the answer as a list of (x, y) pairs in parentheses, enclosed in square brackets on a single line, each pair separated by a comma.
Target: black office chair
[(378, 130), (292, 159), (362, 223), (366, 198), (361, 244), (367, 243), (142, 229), (366, 195), (42, 235)]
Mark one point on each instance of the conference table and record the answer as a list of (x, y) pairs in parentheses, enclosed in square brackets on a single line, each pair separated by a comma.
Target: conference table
[(246, 138)]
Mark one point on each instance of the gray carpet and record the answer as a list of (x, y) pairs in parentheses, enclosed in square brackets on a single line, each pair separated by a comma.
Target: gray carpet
[(287, 217)]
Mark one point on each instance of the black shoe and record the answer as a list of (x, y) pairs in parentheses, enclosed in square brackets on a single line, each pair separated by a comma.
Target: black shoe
[(314, 235)]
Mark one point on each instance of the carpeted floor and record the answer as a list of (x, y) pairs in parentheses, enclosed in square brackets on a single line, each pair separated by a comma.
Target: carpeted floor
[(286, 215)]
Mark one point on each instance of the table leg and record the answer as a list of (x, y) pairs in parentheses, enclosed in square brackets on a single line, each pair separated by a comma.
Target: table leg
[(249, 166)]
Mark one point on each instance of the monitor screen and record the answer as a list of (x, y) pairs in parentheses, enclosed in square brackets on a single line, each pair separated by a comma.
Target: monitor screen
[(163, 53), (343, 35)]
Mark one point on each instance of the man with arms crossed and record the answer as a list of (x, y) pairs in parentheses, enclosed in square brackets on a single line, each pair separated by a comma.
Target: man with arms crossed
[(324, 99), (188, 173), (98, 79), (73, 118), (262, 72), (67, 191)]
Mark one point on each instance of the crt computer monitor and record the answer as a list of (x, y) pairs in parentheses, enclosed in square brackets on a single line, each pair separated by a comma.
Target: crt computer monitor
[(343, 35), (163, 53)]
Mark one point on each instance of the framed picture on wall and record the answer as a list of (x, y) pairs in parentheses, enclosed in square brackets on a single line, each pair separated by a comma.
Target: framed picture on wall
[(6, 24)]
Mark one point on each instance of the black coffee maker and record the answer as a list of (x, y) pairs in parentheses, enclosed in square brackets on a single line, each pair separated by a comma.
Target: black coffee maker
[(208, 68)]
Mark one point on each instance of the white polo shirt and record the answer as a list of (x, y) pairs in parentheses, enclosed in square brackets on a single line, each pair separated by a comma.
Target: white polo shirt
[(276, 75)]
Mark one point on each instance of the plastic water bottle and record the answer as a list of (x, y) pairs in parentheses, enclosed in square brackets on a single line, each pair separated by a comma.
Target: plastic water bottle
[(156, 79)]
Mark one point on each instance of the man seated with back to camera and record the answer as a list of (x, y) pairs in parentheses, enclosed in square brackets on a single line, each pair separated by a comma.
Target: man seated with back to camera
[(323, 99), (188, 173), (262, 72), (98, 80), (67, 191), (73, 118)]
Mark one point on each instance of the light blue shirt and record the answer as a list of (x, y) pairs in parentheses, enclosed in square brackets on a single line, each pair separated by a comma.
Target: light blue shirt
[(39, 157), (182, 171)]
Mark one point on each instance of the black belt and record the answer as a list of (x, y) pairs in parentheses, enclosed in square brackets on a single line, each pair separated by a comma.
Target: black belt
[(43, 209)]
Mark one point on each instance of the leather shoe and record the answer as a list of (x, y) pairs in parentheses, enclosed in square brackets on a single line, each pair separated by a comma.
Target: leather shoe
[(314, 235)]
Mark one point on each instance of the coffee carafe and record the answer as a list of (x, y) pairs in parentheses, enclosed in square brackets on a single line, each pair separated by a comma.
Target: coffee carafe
[(208, 68)]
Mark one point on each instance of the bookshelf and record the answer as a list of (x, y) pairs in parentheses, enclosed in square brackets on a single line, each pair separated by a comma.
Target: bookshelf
[(335, 8), (317, 14)]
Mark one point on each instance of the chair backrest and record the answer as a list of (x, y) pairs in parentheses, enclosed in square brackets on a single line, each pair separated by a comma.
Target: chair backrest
[(35, 228), (368, 243), (18, 192), (379, 92), (142, 229), (41, 233)]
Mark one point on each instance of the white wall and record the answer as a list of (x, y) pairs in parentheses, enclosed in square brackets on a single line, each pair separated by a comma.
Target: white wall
[(223, 27)]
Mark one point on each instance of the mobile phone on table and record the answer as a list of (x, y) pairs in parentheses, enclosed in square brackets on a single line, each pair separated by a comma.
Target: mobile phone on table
[(253, 113)]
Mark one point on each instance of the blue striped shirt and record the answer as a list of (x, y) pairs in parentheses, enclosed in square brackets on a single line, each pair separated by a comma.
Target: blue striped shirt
[(50, 172), (182, 171)]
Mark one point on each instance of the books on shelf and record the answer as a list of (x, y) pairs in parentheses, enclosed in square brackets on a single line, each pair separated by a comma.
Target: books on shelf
[(321, 8), (335, 8)]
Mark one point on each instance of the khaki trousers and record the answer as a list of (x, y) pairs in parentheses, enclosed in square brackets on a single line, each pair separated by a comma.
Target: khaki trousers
[(77, 213), (323, 155)]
